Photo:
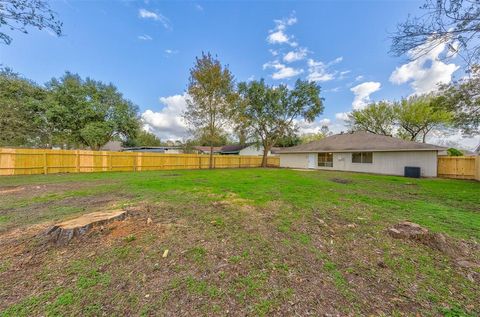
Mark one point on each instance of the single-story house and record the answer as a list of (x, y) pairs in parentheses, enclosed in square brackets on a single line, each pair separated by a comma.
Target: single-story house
[(199, 149), (363, 152), (115, 146), (244, 150)]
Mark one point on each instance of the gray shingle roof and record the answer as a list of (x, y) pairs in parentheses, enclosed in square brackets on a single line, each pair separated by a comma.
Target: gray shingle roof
[(358, 142)]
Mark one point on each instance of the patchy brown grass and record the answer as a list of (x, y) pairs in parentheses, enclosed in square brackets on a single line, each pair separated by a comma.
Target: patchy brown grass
[(234, 248)]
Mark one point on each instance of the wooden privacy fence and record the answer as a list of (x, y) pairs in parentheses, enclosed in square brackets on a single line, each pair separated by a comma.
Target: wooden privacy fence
[(42, 161), (462, 167)]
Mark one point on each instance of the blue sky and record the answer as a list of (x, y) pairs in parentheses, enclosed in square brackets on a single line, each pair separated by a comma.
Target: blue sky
[(147, 48)]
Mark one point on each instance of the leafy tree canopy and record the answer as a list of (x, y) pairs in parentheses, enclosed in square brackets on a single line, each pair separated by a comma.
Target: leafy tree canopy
[(22, 119), (88, 112), (271, 111), (378, 118), (454, 152), (418, 115), (310, 137), (212, 98), (463, 100)]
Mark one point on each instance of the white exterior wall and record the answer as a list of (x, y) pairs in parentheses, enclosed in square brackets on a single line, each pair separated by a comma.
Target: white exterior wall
[(253, 150), (173, 151), (390, 163), (294, 160)]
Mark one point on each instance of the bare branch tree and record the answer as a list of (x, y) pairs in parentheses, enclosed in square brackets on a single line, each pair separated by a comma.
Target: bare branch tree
[(455, 23), (18, 15)]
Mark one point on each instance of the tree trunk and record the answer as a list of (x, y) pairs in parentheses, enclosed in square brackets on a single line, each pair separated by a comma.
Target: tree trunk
[(210, 162), (265, 155)]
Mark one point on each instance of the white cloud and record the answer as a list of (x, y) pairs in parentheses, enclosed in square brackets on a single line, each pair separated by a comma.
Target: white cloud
[(343, 116), (456, 140), (146, 14), (343, 74), (335, 89), (273, 52), (170, 52), (362, 93), (325, 121), (282, 71), (359, 77), (426, 72), (295, 55), (278, 35), (168, 123), (311, 127), (318, 71), (145, 37)]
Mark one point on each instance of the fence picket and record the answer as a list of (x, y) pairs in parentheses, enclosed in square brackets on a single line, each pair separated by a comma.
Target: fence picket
[(46, 161)]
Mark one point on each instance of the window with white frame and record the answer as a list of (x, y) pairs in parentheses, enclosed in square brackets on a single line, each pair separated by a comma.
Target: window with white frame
[(325, 159)]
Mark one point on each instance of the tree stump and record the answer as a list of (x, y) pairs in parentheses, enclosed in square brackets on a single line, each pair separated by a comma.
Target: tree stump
[(63, 232)]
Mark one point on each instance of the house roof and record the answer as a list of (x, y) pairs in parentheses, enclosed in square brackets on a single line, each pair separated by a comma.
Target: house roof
[(361, 142), (233, 148), (276, 149), (207, 148)]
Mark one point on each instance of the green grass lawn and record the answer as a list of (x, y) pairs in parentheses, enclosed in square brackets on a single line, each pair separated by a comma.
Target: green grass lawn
[(241, 242)]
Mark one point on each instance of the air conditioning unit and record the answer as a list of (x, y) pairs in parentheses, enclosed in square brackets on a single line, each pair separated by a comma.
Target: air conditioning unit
[(411, 171)]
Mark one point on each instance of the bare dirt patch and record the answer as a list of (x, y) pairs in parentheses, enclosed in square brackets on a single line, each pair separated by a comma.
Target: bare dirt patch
[(462, 253), (36, 190), (341, 180), (10, 189)]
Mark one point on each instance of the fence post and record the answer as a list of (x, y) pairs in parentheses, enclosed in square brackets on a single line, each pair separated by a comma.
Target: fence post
[(45, 167), (77, 161), (477, 167), (199, 162)]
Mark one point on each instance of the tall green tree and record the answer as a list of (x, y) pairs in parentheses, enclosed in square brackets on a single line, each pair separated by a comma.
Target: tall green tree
[(203, 137), (271, 111), (88, 112), (145, 138), (18, 15), (288, 140), (212, 98), (310, 137), (378, 118), (22, 111), (463, 100), (418, 115)]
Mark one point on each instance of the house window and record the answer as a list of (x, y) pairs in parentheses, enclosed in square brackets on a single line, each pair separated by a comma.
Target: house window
[(325, 159), (362, 157)]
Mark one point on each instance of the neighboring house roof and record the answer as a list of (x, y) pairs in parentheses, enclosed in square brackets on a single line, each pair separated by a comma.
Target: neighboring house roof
[(478, 149), (200, 148), (275, 150), (358, 142), (160, 149), (233, 148)]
